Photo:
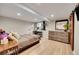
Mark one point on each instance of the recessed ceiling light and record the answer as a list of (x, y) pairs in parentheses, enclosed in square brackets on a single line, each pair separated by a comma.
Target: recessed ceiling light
[(18, 14), (52, 15)]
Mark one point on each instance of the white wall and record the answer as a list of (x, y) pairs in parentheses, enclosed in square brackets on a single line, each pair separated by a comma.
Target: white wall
[(76, 36), (14, 25), (49, 27)]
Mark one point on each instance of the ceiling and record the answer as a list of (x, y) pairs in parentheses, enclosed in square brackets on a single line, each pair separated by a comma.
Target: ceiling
[(35, 12)]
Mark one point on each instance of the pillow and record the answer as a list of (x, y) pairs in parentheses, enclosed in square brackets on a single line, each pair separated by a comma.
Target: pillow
[(16, 35), (10, 37)]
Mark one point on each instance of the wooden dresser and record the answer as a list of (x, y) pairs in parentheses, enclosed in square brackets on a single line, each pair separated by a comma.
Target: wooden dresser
[(59, 36)]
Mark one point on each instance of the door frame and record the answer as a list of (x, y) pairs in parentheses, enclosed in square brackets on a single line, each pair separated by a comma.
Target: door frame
[(72, 30)]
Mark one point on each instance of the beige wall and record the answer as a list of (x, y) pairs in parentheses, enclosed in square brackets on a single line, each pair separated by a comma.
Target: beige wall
[(14, 25)]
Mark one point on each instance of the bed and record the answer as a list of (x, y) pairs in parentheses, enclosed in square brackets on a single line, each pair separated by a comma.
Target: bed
[(26, 41)]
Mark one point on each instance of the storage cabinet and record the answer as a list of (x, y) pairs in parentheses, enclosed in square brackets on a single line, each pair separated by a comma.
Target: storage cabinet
[(59, 36)]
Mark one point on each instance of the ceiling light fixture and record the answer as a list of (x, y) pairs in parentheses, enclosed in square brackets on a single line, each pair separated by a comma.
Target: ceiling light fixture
[(18, 14), (52, 15)]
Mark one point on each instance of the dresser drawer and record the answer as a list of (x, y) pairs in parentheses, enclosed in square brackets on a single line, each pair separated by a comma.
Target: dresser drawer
[(59, 36)]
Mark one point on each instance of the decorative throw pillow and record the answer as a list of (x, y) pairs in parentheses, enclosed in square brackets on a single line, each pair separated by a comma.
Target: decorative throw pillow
[(16, 35), (10, 37)]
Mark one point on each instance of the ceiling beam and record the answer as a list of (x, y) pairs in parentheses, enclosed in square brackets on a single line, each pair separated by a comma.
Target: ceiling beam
[(26, 8)]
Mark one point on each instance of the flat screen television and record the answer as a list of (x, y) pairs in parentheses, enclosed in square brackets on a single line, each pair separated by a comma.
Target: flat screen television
[(77, 12)]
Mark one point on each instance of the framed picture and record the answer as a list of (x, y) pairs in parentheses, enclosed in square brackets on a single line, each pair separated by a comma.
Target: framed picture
[(61, 24), (40, 25)]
